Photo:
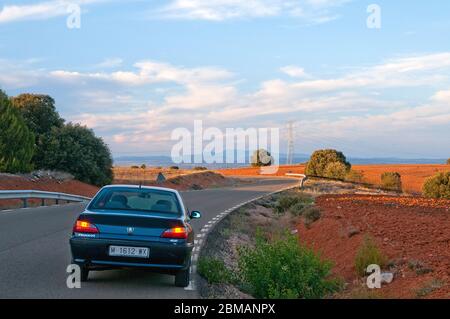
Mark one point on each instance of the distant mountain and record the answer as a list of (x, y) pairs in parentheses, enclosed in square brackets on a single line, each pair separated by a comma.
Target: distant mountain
[(162, 160)]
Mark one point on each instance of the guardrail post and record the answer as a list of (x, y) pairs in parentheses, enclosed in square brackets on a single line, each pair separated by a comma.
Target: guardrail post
[(25, 202)]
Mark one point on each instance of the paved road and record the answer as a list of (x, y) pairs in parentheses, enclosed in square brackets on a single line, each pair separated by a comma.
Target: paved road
[(34, 250)]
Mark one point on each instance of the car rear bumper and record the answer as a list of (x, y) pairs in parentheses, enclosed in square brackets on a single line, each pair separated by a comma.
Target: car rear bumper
[(163, 256)]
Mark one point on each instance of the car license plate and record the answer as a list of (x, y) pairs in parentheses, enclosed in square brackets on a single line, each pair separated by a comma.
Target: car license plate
[(123, 251)]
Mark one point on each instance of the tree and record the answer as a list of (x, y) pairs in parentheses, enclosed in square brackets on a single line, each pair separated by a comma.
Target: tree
[(75, 149), (336, 170), (320, 159), (437, 186), (41, 117), (261, 157), (448, 161), (16, 141), (392, 181)]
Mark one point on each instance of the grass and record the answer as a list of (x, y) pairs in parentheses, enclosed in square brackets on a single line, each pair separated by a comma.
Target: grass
[(368, 254), (429, 287), (214, 270)]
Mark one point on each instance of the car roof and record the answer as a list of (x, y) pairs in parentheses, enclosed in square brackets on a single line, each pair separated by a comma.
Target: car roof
[(141, 187)]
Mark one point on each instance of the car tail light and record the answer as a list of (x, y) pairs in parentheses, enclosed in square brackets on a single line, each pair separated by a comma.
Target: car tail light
[(82, 226), (176, 232)]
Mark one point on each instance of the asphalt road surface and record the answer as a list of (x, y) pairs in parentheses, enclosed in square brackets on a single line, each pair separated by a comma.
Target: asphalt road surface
[(34, 249)]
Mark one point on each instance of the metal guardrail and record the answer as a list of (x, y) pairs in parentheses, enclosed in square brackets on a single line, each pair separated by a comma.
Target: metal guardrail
[(24, 195), (303, 178)]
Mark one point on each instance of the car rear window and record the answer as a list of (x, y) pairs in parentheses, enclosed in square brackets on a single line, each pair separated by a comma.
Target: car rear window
[(130, 199)]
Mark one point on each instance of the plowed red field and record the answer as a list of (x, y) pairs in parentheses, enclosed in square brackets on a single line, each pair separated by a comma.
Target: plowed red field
[(407, 230), (413, 176)]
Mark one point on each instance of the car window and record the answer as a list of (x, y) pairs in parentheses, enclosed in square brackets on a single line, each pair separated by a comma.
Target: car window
[(136, 200)]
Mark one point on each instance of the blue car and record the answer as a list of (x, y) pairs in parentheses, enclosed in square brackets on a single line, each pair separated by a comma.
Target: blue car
[(132, 226)]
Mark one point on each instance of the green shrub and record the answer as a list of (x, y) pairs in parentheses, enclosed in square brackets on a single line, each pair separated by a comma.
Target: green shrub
[(437, 186), (284, 269), (17, 142), (200, 168), (213, 270), (448, 161), (336, 170), (174, 167), (311, 215), (143, 166), (368, 254), (285, 202), (391, 181), (319, 161), (354, 176), (298, 208)]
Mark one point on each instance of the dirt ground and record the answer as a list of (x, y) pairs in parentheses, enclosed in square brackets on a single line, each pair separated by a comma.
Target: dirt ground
[(29, 182), (414, 233), (413, 176)]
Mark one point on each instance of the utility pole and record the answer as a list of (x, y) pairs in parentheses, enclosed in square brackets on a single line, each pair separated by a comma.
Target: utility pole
[(290, 152)]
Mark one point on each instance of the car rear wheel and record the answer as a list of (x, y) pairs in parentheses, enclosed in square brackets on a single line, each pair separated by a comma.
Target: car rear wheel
[(84, 273), (182, 278)]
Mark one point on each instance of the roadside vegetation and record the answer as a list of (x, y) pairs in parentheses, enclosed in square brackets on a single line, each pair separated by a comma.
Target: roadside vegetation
[(34, 136), (259, 256), (391, 181), (437, 186), (368, 254)]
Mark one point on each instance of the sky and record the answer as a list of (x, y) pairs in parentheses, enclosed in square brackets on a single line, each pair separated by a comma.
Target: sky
[(135, 70)]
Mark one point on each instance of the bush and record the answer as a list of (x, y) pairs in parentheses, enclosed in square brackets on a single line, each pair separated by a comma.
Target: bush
[(143, 166), (391, 181), (336, 170), (75, 149), (448, 161), (174, 167), (368, 254), (311, 215), (213, 270), (16, 140), (134, 167), (354, 176), (437, 186), (284, 269), (319, 161), (200, 168), (261, 157), (288, 202)]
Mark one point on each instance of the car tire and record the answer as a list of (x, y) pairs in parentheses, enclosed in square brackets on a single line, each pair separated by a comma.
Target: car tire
[(84, 273), (182, 278)]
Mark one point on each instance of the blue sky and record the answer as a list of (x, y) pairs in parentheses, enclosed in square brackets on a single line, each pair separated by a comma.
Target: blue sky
[(136, 70)]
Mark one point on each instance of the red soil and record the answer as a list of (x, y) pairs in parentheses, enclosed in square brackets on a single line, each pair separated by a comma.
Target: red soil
[(413, 176), (14, 182), (406, 230)]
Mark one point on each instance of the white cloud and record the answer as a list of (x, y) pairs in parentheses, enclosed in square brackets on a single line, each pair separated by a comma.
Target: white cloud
[(356, 106), (39, 11), (317, 11), (294, 71), (109, 63)]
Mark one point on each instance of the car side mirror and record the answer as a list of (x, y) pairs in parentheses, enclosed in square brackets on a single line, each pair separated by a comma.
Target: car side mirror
[(195, 214)]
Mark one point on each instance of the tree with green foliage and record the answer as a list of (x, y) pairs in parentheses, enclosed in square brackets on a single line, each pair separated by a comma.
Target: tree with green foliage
[(336, 170), (16, 140), (317, 164), (261, 157), (437, 186), (75, 149), (40, 115)]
